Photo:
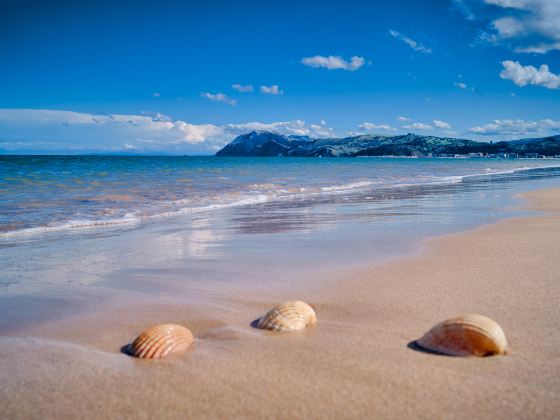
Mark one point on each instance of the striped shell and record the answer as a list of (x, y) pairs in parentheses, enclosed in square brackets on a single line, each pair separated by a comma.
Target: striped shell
[(468, 335), (289, 316), (160, 340)]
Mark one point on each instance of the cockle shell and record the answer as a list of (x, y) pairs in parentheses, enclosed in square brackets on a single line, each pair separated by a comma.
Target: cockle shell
[(467, 335), (288, 316), (160, 340)]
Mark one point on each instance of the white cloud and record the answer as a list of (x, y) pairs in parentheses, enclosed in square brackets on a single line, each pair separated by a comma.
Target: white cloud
[(526, 26), (333, 62), (403, 119), (157, 116), (461, 85), (48, 130), (540, 48), (156, 94), (296, 127), (219, 97), (368, 126), (529, 75), (442, 124), (464, 86), (320, 131), (197, 133), (416, 46), (418, 126), (508, 27), (516, 128), (271, 90), (242, 88)]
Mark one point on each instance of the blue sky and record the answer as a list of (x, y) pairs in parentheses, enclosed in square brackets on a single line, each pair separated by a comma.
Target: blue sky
[(186, 77)]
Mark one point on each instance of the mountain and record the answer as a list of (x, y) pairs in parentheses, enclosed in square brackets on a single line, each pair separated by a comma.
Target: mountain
[(547, 146), (264, 143), (536, 140)]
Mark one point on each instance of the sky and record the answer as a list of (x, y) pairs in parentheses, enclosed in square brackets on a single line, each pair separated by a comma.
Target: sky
[(187, 77)]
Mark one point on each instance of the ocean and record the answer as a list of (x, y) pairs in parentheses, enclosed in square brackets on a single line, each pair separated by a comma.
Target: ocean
[(83, 226), (43, 194)]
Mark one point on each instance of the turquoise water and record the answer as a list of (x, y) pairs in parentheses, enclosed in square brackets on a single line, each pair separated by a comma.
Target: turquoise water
[(42, 194)]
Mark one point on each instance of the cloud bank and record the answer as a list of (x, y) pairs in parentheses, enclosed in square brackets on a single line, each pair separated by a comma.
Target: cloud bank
[(48, 130)]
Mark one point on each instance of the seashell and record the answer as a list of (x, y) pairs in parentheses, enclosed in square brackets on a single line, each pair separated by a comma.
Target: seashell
[(160, 340), (467, 335), (289, 316)]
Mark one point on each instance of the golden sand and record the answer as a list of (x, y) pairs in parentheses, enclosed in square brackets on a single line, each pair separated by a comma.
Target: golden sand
[(356, 362)]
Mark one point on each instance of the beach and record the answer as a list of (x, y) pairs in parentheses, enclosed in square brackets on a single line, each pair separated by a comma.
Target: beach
[(358, 361), (229, 210)]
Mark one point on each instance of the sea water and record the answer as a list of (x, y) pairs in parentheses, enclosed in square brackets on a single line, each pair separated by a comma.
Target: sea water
[(91, 227), (39, 194)]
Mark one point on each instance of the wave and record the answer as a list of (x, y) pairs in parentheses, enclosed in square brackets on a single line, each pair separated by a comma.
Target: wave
[(257, 197), (349, 186), (72, 224)]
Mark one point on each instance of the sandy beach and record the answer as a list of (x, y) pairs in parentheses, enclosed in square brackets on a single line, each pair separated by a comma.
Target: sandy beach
[(175, 174), (357, 361)]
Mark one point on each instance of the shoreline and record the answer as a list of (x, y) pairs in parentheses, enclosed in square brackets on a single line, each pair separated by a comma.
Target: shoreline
[(136, 218), (356, 362)]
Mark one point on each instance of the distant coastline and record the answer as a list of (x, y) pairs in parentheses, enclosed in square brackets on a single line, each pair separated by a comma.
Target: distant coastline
[(265, 143), (261, 143)]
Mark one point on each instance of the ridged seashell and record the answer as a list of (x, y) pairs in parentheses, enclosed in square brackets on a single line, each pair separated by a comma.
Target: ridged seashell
[(160, 340), (289, 316), (467, 335)]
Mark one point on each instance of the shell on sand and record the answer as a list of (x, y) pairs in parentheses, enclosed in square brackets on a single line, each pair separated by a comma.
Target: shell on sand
[(160, 340), (288, 316), (467, 335)]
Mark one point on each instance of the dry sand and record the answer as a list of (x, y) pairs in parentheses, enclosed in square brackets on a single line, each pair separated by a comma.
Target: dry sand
[(355, 363)]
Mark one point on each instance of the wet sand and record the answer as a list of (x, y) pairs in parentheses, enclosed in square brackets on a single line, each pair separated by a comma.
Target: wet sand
[(357, 362)]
